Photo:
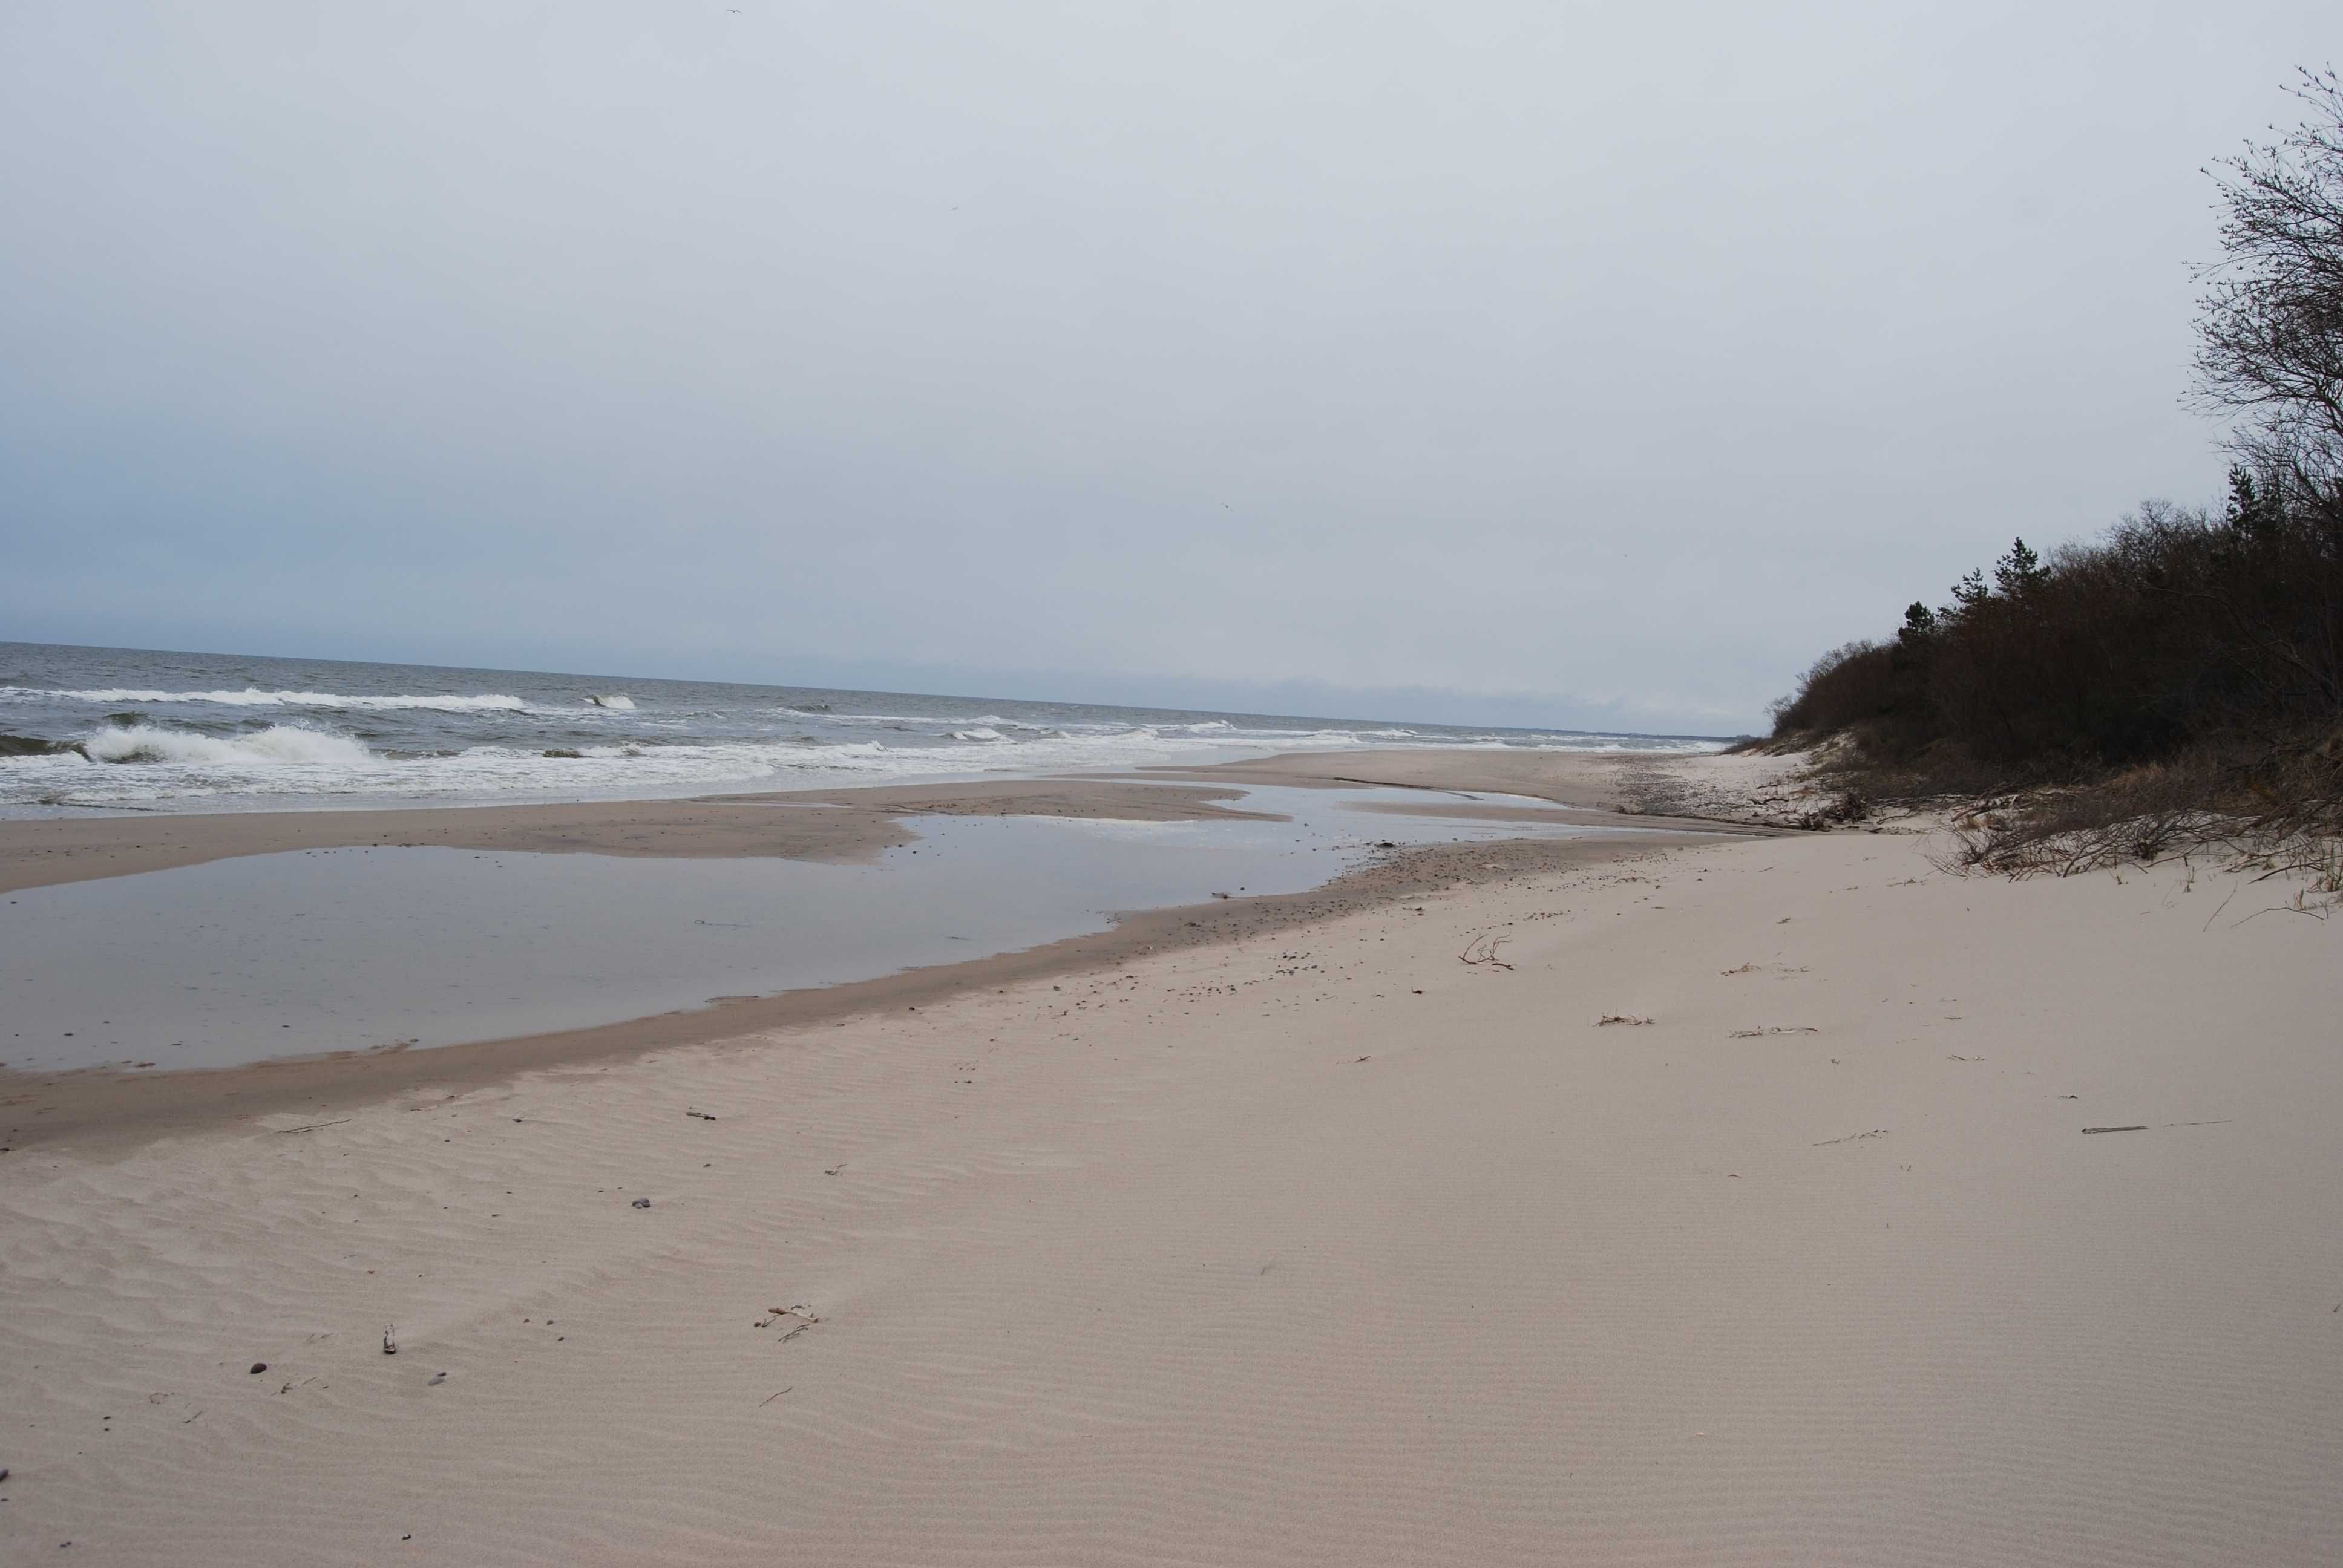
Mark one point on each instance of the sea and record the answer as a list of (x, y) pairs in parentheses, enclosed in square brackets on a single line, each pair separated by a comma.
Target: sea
[(119, 730)]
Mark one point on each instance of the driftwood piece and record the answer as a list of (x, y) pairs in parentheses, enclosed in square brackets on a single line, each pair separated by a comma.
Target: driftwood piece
[(1483, 950)]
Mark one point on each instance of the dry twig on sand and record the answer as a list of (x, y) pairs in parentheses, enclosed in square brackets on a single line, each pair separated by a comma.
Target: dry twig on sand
[(1483, 950)]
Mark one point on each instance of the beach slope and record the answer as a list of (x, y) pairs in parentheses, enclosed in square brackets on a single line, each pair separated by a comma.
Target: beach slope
[(1735, 1203)]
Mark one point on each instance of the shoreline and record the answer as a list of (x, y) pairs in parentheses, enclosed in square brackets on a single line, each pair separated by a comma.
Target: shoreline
[(100, 1106), (832, 825), (856, 823), (111, 1107)]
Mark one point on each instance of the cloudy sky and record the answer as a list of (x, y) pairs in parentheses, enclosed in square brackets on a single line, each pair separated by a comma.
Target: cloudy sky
[(1552, 363)]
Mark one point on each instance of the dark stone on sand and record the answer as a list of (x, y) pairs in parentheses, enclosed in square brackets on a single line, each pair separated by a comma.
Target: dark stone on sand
[(642, 1203), (259, 1367)]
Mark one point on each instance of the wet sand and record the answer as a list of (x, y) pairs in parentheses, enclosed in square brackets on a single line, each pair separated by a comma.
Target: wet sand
[(1659, 789), (849, 825), (122, 1101), (314, 952), (803, 825), (1588, 781), (109, 1107)]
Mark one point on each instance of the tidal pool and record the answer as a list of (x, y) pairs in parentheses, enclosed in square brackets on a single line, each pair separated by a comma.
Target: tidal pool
[(363, 948)]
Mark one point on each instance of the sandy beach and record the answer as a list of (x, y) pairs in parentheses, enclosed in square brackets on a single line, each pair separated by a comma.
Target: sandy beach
[(915, 786), (1724, 1197)]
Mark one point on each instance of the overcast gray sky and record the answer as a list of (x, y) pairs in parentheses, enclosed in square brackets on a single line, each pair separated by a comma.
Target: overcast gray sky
[(1540, 363)]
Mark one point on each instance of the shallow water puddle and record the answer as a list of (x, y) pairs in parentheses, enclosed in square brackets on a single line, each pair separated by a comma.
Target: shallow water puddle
[(364, 949)]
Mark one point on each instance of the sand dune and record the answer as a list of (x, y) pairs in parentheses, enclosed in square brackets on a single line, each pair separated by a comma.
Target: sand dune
[(1318, 1245)]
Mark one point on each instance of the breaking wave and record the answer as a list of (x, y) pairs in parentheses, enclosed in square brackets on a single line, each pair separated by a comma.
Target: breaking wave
[(913, 721), (278, 744), (253, 697), (127, 730)]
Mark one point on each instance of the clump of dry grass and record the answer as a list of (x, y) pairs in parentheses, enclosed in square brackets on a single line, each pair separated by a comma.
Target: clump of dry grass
[(2276, 816)]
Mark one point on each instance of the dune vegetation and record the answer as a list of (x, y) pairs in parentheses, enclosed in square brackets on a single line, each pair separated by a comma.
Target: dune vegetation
[(2178, 680)]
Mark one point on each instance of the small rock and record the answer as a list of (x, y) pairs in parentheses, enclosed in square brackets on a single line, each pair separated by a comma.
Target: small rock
[(437, 1378), (639, 1203), (259, 1367)]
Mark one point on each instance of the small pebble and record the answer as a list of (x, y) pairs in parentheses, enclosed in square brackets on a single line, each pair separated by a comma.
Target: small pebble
[(259, 1367), (642, 1203)]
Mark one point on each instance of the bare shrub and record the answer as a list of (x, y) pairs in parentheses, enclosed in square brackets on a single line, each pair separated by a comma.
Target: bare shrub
[(2277, 815)]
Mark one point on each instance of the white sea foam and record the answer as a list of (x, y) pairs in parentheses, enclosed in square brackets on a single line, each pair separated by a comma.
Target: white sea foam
[(617, 702), (623, 753), (277, 744), (176, 765), (908, 721), (253, 697)]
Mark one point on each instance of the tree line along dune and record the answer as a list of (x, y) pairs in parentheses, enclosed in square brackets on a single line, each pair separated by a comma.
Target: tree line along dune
[(2177, 682)]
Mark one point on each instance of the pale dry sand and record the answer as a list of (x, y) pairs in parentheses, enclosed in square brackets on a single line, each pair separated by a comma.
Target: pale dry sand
[(1318, 1245)]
